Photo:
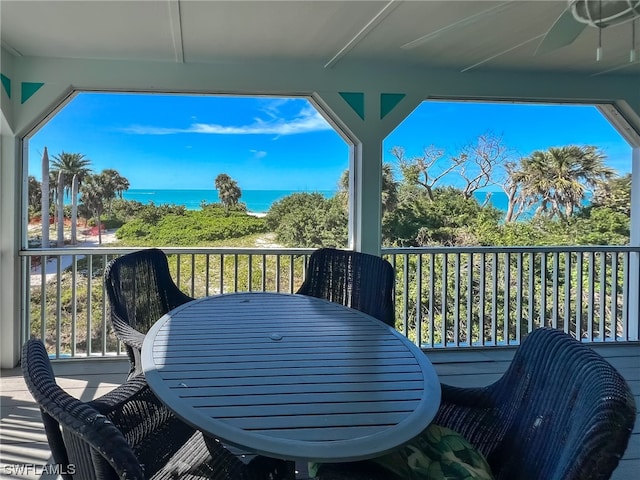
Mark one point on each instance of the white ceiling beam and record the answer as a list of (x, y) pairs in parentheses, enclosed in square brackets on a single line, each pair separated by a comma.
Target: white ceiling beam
[(496, 55), (373, 23), (613, 69), (460, 23), (175, 24), (13, 51)]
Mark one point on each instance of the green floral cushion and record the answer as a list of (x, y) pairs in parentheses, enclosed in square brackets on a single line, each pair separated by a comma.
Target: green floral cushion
[(438, 453)]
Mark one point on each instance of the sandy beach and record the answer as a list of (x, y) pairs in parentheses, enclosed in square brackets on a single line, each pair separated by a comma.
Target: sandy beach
[(84, 240)]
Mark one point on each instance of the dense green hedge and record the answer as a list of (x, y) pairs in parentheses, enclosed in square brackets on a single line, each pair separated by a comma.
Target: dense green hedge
[(190, 228)]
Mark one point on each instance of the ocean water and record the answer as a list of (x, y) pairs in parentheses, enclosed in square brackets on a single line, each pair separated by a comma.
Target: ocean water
[(257, 201)]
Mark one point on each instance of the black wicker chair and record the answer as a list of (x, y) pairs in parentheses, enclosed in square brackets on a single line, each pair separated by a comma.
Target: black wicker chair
[(357, 280), (560, 412), (127, 434), (140, 290)]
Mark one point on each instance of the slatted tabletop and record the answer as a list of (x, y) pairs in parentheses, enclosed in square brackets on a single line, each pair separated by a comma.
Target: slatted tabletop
[(291, 376)]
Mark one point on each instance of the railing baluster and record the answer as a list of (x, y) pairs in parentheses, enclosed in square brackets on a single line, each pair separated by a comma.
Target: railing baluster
[(532, 291), (567, 293), (494, 298), (74, 303), (291, 272), (470, 297), (235, 272), (178, 269), (579, 294), (615, 274), (625, 310), (590, 311), (456, 300), (222, 275), (603, 294), (445, 299), (518, 319), (554, 304), (58, 315), (193, 275), (543, 289), (89, 303), (507, 298), (104, 311), (481, 301), (419, 300), (207, 274)]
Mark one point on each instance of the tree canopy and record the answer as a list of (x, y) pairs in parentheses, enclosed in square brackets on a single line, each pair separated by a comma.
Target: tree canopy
[(228, 191)]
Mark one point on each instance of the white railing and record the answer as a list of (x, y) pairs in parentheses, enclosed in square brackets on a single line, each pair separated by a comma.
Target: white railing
[(445, 296), (487, 296)]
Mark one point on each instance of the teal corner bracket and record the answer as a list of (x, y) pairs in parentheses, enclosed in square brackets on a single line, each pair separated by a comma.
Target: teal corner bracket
[(389, 101), (6, 84), (355, 101), (28, 89)]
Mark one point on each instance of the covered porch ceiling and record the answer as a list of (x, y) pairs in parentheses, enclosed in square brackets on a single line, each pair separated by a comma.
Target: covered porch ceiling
[(367, 64), (459, 35)]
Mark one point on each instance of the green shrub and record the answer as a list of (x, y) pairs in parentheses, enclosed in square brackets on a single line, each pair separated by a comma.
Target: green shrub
[(189, 228)]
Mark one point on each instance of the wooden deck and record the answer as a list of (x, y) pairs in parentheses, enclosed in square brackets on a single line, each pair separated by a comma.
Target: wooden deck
[(22, 438)]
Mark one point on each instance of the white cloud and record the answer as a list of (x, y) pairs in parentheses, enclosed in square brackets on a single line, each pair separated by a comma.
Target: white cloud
[(307, 120), (257, 154)]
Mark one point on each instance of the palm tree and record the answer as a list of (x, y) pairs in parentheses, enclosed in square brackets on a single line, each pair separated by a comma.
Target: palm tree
[(34, 198), (74, 167), (560, 177), (92, 195), (389, 189), (98, 191), (228, 191), (115, 185)]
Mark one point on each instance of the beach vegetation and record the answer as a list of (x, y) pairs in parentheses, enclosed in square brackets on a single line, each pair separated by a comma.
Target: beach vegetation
[(154, 227), (442, 217), (614, 193), (309, 220), (34, 197)]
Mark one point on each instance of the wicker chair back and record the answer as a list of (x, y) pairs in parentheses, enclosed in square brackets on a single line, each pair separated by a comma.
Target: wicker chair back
[(357, 280), (140, 291)]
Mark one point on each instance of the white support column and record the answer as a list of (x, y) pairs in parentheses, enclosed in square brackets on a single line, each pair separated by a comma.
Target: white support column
[(634, 267), (366, 181), (367, 130), (9, 278)]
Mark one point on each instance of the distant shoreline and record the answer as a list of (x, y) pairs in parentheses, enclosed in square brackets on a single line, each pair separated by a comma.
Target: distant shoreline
[(257, 201)]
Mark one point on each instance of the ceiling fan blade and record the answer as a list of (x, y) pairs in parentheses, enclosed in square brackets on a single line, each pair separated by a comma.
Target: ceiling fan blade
[(563, 32)]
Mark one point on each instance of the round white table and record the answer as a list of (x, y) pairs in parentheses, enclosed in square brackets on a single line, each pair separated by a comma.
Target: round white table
[(291, 376)]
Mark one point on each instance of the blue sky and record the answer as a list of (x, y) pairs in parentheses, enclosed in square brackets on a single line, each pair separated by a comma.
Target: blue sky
[(184, 142)]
